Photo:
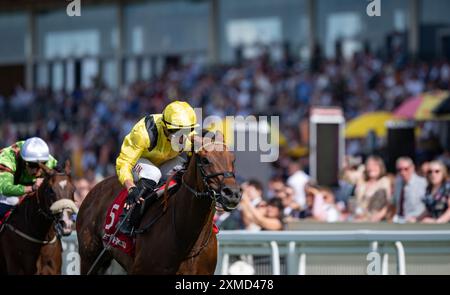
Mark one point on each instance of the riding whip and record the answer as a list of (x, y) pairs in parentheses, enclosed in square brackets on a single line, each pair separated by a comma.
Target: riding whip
[(108, 245)]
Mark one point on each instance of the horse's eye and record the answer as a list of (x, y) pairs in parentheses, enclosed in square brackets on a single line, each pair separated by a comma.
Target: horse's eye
[(205, 161)]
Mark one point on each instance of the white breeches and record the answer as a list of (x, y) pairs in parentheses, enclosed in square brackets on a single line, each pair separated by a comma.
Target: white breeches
[(146, 169), (11, 201)]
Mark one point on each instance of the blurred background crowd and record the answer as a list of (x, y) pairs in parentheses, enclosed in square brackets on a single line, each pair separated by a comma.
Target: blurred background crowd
[(89, 79), (366, 194), (88, 126)]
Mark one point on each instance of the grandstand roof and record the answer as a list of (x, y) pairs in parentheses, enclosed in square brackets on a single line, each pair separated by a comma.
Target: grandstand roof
[(8, 5)]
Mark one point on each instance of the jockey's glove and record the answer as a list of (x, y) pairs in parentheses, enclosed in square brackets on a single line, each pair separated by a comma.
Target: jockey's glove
[(142, 188), (134, 193)]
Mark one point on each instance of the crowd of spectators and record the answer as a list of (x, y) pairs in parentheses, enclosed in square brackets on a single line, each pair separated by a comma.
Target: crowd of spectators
[(88, 126), (409, 196)]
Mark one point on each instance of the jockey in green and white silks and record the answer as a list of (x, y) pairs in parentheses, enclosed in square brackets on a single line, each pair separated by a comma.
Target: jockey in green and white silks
[(20, 171)]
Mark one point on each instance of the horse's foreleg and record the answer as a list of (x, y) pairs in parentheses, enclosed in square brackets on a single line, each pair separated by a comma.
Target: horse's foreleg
[(87, 260), (50, 259), (202, 264), (89, 248), (18, 259)]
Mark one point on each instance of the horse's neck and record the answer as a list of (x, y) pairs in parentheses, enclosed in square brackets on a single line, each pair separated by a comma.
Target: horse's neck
[(26, 218), (193, 214)]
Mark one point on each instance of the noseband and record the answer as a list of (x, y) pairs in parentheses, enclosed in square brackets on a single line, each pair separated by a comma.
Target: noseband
[(209, 191), (46, 212)]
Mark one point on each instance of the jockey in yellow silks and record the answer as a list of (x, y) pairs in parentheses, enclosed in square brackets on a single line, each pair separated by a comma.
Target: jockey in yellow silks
[(151, 151)]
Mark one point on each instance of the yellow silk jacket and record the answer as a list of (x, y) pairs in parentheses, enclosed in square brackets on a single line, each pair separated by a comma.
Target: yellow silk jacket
[(146, 140)]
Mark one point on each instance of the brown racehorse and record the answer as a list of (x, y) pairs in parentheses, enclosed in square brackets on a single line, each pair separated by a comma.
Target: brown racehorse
[(28, 242), (181, 241), (50, 257)]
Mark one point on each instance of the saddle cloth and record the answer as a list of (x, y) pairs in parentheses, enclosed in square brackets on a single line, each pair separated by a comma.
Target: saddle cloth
[(5, 217), (5, 214), (121, 241)]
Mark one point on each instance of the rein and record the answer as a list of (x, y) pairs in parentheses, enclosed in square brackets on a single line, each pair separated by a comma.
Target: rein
[(197, 251), (209, 191), (28, 237), (42, 212)]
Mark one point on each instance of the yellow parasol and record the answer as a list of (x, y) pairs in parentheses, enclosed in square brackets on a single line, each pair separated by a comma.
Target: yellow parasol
[(362, 125)]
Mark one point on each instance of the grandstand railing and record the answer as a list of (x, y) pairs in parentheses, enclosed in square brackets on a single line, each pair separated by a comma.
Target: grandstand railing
[(319, 252), (358, 249)]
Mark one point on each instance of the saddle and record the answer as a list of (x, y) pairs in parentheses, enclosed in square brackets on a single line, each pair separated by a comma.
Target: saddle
[(5, 217), (121, 241)]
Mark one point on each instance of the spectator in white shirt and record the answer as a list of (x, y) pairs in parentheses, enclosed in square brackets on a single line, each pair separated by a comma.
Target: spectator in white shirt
[(297, 180)]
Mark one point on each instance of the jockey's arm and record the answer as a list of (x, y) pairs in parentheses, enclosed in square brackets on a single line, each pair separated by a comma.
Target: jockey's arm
[(9, 189), (133, 146)]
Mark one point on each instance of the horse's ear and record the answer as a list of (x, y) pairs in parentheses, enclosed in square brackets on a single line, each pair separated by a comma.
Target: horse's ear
[(197, 142), (67, 167), (47, 171)]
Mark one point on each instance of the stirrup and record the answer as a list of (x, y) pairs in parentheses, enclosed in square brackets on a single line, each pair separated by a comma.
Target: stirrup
[(126, 228)]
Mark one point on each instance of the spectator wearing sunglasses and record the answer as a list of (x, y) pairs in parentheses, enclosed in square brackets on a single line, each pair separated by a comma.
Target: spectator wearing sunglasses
[(437, 197), (265, 216), (409, 191)]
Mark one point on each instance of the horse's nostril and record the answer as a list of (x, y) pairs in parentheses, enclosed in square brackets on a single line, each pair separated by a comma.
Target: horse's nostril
[(227, 191)]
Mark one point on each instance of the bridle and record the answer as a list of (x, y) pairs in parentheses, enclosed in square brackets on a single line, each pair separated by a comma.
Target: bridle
[(47, 215), (46, 212), (209, 191), (43, 210)]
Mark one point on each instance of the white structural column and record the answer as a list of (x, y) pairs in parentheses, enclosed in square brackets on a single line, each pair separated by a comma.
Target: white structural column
[(414, 27), (120, 44), (401, 260), (30, 51), (312, 27), (213, 32), (276, 265)]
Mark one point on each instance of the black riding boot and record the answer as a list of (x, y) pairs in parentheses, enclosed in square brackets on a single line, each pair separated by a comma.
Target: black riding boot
[(146, 187), (128, 225)]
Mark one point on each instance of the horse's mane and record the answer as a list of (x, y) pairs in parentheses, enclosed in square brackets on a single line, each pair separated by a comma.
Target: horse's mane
[(165, 200)]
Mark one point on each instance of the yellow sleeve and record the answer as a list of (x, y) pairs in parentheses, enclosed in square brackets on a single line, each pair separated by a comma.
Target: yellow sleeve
[(133, 146)]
